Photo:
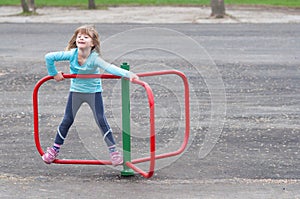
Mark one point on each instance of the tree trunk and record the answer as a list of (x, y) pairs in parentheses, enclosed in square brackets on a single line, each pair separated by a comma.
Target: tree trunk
[(217, 8), (28, 6), (92, 4), (25, 7), (31, 5)]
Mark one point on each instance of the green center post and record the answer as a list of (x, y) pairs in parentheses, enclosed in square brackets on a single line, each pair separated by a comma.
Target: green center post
[(126, 138)]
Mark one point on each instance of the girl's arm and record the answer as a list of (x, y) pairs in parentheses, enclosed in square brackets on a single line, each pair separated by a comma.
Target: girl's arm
[(110, 68), (51, 58)]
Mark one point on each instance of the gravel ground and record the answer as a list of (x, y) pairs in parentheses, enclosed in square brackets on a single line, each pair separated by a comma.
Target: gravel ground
[(255, 156)]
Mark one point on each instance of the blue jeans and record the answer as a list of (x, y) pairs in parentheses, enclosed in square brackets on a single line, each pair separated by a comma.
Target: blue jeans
[(95, 101)]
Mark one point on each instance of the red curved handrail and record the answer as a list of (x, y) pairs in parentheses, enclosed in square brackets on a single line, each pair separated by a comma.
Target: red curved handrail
[(103, 76), (187, 115), (152, 156), (152, 133), (36, 123)]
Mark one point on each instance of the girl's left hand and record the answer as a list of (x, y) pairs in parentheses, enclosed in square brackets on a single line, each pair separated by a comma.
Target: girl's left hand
[(133, 76)]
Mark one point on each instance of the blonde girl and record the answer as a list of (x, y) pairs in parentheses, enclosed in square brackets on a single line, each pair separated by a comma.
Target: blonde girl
[(83, 52)]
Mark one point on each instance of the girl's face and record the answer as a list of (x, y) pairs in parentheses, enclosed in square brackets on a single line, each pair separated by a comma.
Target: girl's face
[(84, 41)]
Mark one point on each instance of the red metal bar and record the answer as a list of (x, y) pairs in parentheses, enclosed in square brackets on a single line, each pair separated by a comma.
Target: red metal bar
[(36, 117), (96, 162), (36, 114), (152, 156), (187, 114), (152, 133)]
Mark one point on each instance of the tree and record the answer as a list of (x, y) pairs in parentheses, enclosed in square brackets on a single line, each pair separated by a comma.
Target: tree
[(25, 7), (92, 4), (28, 6), (217, 8), (31, 5)]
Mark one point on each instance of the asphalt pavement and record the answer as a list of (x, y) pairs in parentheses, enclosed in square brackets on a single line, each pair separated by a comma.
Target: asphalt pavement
[(244, 97)]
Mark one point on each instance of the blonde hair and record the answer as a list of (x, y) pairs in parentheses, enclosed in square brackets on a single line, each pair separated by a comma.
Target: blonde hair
[(88, 30)]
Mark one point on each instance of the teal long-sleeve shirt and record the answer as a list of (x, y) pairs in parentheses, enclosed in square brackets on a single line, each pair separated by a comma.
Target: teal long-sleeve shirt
[(91, 66)]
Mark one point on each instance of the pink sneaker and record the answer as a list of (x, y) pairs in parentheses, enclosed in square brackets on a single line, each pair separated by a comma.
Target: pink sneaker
[(50, 155), (116, 158)]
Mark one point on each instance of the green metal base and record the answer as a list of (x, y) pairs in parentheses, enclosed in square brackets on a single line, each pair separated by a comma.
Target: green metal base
[(127, 172)]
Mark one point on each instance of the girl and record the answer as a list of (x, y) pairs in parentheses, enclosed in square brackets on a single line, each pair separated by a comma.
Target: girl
[(83, 54)]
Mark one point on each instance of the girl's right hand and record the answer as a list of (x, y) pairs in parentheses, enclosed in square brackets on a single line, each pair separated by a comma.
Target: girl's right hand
[(59, 76)]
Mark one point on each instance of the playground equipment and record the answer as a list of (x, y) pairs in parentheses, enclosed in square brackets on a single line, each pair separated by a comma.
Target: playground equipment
[(129, 166)]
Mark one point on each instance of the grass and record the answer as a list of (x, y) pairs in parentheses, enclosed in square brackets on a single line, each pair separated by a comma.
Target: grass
[(83, 3), (286, 3)]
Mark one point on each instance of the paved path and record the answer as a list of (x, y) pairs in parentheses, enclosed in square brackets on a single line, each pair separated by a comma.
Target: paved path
[(151, 15)]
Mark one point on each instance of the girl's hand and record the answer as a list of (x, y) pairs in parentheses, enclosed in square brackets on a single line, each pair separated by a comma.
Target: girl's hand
[(133, 76), (59, 76)]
